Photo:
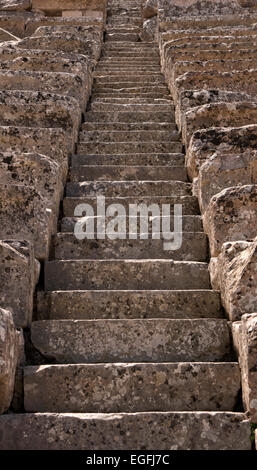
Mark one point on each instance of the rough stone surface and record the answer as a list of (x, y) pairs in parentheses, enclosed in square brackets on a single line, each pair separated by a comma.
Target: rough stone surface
[(137, 431), (8, 358), (24, 215), (237, 275), (247, 360), (231, 216), (149, 8), (92, 304), (38, 172), (150, 29), (19, 274), (113, 388), (50, 142), (222, 171), (15, 5), (80, 341)]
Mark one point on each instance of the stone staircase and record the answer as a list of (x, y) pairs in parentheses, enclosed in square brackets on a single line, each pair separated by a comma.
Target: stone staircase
[(136, 353)]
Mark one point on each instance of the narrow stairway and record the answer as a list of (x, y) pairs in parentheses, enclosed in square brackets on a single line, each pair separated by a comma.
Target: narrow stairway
[(137, 353)]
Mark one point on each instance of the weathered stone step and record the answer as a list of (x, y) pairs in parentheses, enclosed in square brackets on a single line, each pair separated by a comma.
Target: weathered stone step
[(130, 388), (133, 37), (129, 87), (189, 203), (130, 116), (127, 53), (152, 340), (127, 173), (128, 188), (128, 147), (130, 80), (128, 68), (116, 61), (93, 304), (102, 74), (129, 274), (131, 91), (131, 100), (139, 159), (125, 136), (190, 223), (130, 47), (67, 246), (113, 94), (128, 126), (170, 430)]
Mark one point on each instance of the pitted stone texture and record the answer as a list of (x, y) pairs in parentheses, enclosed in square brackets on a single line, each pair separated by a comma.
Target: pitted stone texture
[(242, 81), (222, 171), (137, 431), (189, 203), (128, 274), (86, 32), (8, 358), (15, 5), (227, 140), (191, 99), (114, 388), (237, 278), (65, 42), (24, 215), (151, 340), (86, 305), (62, 5), (126, 188), (50, 142), (67, 246), (40, 109), (19, 275), (217, 114), (66, 84), (33, 24), (191, 8), (231, 216), (36, 171), (247, 360)]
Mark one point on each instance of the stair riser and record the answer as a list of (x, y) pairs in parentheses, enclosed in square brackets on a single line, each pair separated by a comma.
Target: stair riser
[(119, 173), (66, 246), (229, 431), (123, 136), (162, 159), (128, 188), (161, 275), (119, 388), (189, 203), (130, 117), (190, 223), (90, 305), (77, 342), (128, 127), (128, 147)]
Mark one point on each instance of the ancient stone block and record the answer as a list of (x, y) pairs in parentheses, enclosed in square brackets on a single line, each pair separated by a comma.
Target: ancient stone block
[(8, 358), (33, 23), (230, 216), (228, 140), (41, 109), (61, 83), (36, 171), (15, 21), (222, 171), (149, 8), (217, 114), (247, 344), (50, 142), (24, 215), (19, 275), (55, 5), (149, 30), (237, 270)]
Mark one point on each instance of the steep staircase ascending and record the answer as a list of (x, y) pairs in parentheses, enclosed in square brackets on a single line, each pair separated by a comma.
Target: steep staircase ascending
[(140, 354)]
